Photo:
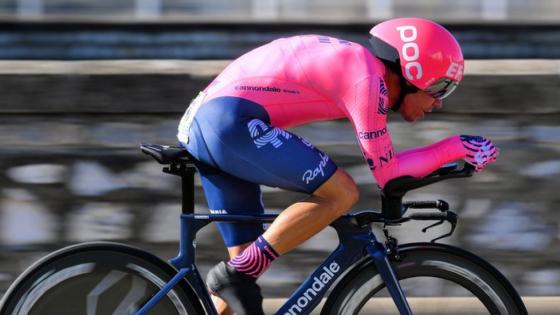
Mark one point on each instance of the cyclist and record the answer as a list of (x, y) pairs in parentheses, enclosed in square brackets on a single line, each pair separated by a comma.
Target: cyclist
[(236, 129)]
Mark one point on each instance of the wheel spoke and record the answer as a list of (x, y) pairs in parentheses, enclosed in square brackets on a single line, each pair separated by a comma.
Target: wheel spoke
[(131, 301), (106, 283)]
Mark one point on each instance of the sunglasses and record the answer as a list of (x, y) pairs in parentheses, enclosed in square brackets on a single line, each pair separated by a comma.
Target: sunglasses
[(442, 88), (439, 90)]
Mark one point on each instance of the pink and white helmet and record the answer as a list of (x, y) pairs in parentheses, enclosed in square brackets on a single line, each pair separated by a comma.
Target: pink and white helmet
[(430, 58)]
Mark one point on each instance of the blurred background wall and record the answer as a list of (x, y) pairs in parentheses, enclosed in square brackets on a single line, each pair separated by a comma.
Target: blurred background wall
[(83, 82)]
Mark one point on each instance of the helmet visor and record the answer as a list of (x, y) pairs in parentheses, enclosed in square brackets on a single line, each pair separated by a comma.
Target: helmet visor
[(442, 88)]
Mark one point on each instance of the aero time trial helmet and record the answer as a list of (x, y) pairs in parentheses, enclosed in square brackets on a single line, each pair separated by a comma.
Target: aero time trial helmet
[(428, 56)]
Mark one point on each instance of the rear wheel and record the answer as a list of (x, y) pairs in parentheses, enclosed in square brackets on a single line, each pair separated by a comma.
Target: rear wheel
[(97, 279), (436, 280)]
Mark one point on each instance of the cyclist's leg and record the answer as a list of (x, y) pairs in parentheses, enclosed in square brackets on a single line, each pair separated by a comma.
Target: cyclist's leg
[(221, 305), (227, 194), (234, 135), (306, 218), (245, 145)]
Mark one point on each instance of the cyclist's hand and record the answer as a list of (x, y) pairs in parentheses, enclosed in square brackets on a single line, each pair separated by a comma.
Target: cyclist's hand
[(480, 151)]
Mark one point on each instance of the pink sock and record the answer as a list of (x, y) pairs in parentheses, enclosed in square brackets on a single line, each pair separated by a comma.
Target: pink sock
[(255, 259)]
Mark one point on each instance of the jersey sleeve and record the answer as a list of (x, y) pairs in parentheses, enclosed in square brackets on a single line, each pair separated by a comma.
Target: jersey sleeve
[(367, 108)]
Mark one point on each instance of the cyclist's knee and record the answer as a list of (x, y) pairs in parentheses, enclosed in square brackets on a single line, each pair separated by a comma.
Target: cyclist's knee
[(341, 190), (348, 191)]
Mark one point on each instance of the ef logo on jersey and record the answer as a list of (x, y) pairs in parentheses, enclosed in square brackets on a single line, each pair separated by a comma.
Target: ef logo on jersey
[(262, 134)]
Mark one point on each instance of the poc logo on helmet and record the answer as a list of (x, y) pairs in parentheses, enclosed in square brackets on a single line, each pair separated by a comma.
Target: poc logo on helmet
[(410, 52)]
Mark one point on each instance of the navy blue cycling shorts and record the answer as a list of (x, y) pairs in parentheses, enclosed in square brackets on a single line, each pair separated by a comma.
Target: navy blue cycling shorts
[(238, 150)]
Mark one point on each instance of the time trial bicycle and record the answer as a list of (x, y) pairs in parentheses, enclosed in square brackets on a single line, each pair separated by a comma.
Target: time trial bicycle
[(109, 278)]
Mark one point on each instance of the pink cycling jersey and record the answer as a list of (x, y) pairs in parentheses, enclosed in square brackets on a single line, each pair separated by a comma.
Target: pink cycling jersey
[(310, 78)]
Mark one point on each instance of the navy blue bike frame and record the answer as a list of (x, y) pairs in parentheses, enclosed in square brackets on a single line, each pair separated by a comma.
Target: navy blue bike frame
[(355, 243)]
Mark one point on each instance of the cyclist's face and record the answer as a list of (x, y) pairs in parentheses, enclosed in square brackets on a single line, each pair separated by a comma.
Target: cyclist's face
[(416, 105)]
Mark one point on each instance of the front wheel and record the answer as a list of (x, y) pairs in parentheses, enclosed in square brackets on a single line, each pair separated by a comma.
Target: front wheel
[(94, 279), (436, 279)]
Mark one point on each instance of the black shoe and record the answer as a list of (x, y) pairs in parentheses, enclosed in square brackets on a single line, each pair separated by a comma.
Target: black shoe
[(239, 290)]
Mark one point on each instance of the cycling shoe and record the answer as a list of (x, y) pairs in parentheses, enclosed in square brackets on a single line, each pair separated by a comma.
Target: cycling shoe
[(239, 290)]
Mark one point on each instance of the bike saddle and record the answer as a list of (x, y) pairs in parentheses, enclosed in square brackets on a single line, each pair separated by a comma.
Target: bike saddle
[(166, 154)]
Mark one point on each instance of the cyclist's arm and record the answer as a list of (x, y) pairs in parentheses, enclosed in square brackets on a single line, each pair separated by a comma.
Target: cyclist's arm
[(421, 161), (369, 120)]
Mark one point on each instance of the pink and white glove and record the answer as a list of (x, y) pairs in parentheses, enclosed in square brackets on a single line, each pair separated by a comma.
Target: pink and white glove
[(480, 151)]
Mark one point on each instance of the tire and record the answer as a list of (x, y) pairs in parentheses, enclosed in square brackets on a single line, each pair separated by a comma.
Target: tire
[(97, 279), (428, 272)]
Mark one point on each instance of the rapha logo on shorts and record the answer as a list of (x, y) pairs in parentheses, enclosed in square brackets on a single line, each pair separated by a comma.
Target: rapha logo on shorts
[(262, 134), (311, 174)]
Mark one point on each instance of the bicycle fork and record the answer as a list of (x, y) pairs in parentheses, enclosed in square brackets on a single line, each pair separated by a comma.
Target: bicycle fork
[(379, 255)]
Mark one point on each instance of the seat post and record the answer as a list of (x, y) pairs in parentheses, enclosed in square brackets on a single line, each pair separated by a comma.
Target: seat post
[(184, 169), (187, 187)]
